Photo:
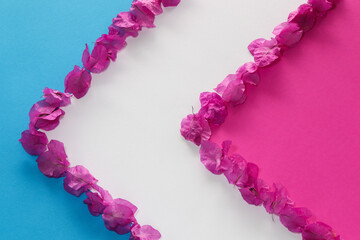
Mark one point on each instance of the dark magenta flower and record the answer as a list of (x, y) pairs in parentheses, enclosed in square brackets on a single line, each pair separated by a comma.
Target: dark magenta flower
[(45, 116), (232, 90), (78, 82), (98, 61), (265, 52), (53, 163), (170, 3), (33, 141), (319, 231), (295, 219), (125, 25), (288, 34), (112, 43), (195, 128), (56, 98), (304, 17), (145, 232), (213, 108), (78, 180)]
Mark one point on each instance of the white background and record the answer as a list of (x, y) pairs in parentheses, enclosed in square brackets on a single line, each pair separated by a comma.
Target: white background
[(126, 130)]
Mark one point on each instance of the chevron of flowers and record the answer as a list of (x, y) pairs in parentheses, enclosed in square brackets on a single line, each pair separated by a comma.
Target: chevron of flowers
[(231, 92)]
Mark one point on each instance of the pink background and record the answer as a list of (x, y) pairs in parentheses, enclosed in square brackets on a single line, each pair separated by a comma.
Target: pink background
[(301, 124)]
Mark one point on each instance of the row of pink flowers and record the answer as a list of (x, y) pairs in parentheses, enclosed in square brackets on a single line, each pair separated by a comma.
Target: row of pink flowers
[(118, 214), (231, 92)]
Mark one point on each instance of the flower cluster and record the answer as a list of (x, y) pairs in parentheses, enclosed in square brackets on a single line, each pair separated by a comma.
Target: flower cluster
[(118, 214), (196, 127)]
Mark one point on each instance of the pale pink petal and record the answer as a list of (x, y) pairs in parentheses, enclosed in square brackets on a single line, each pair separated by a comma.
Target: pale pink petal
[(213, 108), (78, 82), (170, 3), (288, 34), (33, 142), (195, 128), (248, 73), (295, 219), (145, 232), (98, 61), (304, 17), (232, 90), (56, 98), (78, 180), (321, 5), (45, 116)]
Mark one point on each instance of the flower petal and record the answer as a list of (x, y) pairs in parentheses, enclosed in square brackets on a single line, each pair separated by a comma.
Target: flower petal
[(213, 108), (33, 142), (118, 217), (170, 3), (319, 231), (112, 43), (248, 73), (56, 98), (98, 61), (195, 128), (125, 25), (145, 232), (288, 34), (295, 219), (304, 17), (232, 90), (321, 5), (78, 82), (45, 116), (78, 180)]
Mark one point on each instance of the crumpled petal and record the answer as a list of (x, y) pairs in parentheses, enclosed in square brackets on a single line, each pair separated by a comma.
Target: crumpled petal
[(145, 232), (304, 17), (78, 180), (248, 73), (33, 141), (214, 158), (145, 11), (125, 25), (195, 128), (319, 231), (288, 34), (97, 201), (53, 163), (78, 82), (276, 200), (213, 108), (252, 171), (237, 174), (253, 194), (119, 216), (112, 43), (232, 90), (98, 61), (295, 219), (321, 5), (170, 3), (45, 116), (264, 51), (56, 98)]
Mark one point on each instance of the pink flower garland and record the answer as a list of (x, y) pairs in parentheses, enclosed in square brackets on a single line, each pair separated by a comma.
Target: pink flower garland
[(232, 92), (118, 214)]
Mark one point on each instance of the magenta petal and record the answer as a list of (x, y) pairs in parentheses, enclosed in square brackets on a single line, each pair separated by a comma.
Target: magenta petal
[(288, 34), (53, 163), (78, 180), (45, 116), (33, 142), (276, 200), (195, 128), (237, 174), (152, 6), (321, 5), (145, 232), (56, 98), (98, 61), (232, 89), (214, 158), (213, 108), (319, 231), (78, 82), (112, 43), (253, 195), (125, 25), (304, 17), (145, 11), (248, 73), (264, 51), (118, 217), (170, 3), (295, 219), (97, 201)]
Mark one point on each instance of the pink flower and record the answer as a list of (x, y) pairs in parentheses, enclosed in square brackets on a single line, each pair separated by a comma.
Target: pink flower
[(145, 232), (78, 180), (237, 174), (265, 52), (276, 200), (170, 3), (125, 25), (45, 116), (288, 34), (33, 142), (53, 163), (214, 158), (295, 219), (253, 195), (98, 61), (112, 43), (119, 216), (56, 98), (319, 231), (97, 201), (304, 17), (78, 82), (150, 6), (213, 108), (232, 89), (321, 5), (248, 73), (195, 128)]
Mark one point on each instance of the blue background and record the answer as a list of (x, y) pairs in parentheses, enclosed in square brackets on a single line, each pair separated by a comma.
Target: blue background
[(40, 42)]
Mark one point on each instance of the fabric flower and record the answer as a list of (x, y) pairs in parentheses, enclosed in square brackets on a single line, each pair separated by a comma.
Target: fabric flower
[(78, 82), (232, 90), (97, 201), (288, 34), (213, 108), (195, 128), (145, 232), (78, 180), (321, 5), (98, 61), (45, 116), (304, 17), (33, 141), (214, 158), (295, 219), (319, 231), (125, 25), (112, 43), (253, 195), (276, 200), (53, 163), (119, 216), (248, 73), (265, 52), (170, 3), (56, 98)]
